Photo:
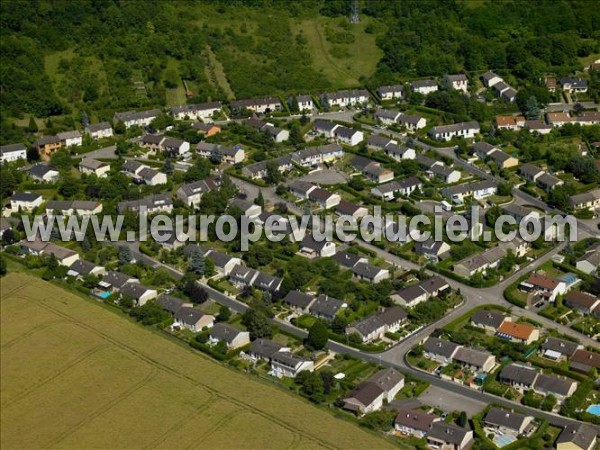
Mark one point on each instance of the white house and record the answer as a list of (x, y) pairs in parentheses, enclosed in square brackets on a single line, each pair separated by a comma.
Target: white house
[(201, 111), (234, 338), (70, 138), (90, 166), (258, 105), (348, 136), (411, 123), (404, 187), (43, 173), (490, 79), (345, 99), (287, 364), (25, 201), (12, 152), (305, 103), (139, 118), (466, 130), (424, 86), (391, 92), (100, 130), (460, 82), (323, 198), (193, 319)]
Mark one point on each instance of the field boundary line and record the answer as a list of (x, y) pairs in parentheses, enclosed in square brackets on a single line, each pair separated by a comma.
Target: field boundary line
[(16, 340)]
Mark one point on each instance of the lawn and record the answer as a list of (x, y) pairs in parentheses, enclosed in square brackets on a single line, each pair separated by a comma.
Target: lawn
[(75, 375)]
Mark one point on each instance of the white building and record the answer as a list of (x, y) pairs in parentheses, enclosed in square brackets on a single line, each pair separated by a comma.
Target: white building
[(466, 130), (70, 138), (12, 152), (100, 130)]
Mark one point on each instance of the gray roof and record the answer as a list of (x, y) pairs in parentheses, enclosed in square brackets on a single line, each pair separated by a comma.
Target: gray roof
[(136, 115), (25, 196), (298, 299), (440, 347), (423, 83), (366, 270), (224, 332), (447, 432), (366, 393), (325, 306), (134, 290), (518, 374), (93, 164), (169, 303), (241, 104), (117, 279), (189, 316), (99, 126), (345, 132), (82, 267), (469, 187), (68, 135), (488, 318), (582, 435), (561, 346), (39, 170), (9, 148), (387, 379), (504, 418), (455, 127), (288, 359), (553, 384), (483, 147), (410, 293), (347, 259), (471, 357), (391, 88), (220, 259), (264, 348), (415, 419), (530, 170)]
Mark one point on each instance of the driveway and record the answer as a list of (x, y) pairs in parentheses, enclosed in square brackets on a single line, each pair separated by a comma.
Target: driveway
[(326, 176), (449, 401)]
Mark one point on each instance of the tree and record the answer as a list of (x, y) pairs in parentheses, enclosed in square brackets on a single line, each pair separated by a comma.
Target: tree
[(257, 323), (125, 255), (194, 291), (3, 268), (504, 189), (260, 200), (274, 176), (318, 335), (85, 120), (32, 127), (150, 313), (311, 385), (296, 137), (338, 324), (168, 167), (462, 419), (224, 314), (532, 109), (209, 267), (197, 262)]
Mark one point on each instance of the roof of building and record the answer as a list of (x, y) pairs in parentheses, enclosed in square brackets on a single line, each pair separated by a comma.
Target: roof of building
[(516, 330), (582, 299), (587, 358), (455, 127), (117, 279), (82, 267), (503, 418), (440, 347), (134, 290), (224, 332), (298, 299), (472, 357), (346, 259), (325, 306), (489, 318), (40, 170), (319, 194), (169, 303), (188, 315), (415, 419), (554, 384), (447, 432), (9, 148), (580, 434), (92, 164), (264, 348), (561, 346), (100, 126), (387, 379), (25, 197), (519, 374), (423, 83), (366, 393), (542, 281), (367, 270)]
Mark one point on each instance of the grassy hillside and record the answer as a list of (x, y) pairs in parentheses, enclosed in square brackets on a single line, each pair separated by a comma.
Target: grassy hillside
[(77, 376)]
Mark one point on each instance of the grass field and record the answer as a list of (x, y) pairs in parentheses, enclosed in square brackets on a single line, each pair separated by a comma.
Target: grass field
[(75, 375)]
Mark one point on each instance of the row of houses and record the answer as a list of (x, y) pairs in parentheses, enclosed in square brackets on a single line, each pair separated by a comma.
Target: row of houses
[(317, 195), (337, 132), (446, 352), (540, 177), (465, 130), (259, 170), (438, 433), (503, 90), (489, 152), (422, 291), (391, 147), (375, 326), (524, 377), (322, 306), (390, 117), (503, 326), (143, 174), (283, 362), (314, 156), (227, 155)]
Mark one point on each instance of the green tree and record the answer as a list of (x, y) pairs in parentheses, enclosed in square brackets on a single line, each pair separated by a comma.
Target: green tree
[(209, 267), (3, 267), (311, 385), (318, 335), (274, 176), (32, 127), (260, 200), (224, 314), (150, 313), (462, 419), (532, 109), (125, 255), (197, 262), (257, 323)]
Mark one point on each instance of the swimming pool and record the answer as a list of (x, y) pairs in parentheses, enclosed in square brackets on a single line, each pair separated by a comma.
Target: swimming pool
[(104, 295), (503, 441), (594, 409)]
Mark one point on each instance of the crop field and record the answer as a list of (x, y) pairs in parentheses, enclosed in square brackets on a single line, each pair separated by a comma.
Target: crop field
[(74, 375)]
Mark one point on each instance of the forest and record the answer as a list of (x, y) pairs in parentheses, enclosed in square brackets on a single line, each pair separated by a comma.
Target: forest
[(62, 57)]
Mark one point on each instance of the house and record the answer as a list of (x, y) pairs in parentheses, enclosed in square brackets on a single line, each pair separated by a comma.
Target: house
[(585, 361), (115, 281), (246, 207), (366, 398), (549, 288), (140, 293), (323, 198), (267, 283), (305, 103), (25, 201), (263, 105), (81, 268), (386, 117), (313, 249), (414, 422), (371, 169), (64, 256), (558, 119), (265, 349), (174, 147), (344, 99), (460, 82), (347, 209), (399, 152), (391, 92), (242, 276), (301, 188), (477, 190), (12, 153), (43, 173), (390, 381), (100, 130), (326, 307), (411, 123), (518, 332), (348, 136), (439, 350), (71, 138), (502, 159), (581, 301), (47, 145), (559, 349), (224, 263), (261, 169), (390, 190), (423, 86), (588, 118), (466, 130), (475, 360), (224, 154), (530, 172), (170, 303), (587, 200), (90, 166), (560, 387), (490, 79), (370, 273), (548, 182), (507, 421), (206, 129), (443, 173), (298, 301), (489, 320), (234, 338), (578, 436), (193, 319), (276, 133), (151, 204), (411, 296), (348, 260), (446, 436), (483, 149), (136, 118), (287, 364), (201, 111), (509, 95), (519, 376), (520, 213), (538, 126), (152, 177), (35, 247), (589, 261), (191, 193), (551, 83), (479, 263), (574, 84), (78, 207), (509, 122), (375, 326), (434, 251)]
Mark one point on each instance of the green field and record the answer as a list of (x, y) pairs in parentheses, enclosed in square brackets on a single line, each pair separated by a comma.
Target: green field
[(75, 375)]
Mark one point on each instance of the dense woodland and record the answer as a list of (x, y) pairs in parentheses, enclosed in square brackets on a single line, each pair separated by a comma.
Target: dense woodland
[(109, 46)]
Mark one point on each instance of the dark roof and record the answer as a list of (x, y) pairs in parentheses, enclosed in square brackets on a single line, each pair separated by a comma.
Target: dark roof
[(366, 393), (348, 208), (440, 347), (99, 126), (553, 384), (518, 374), (488, 318), (134, 290), (169, 303), (345, 132), (586, 358), (39, 170), (319, 194), (25, 196), (189, 316), (220, 259), (387, 379), (9, 148), (561, 346), (392, 315), (309, 242), (582, 435), (366, 270), (117, 279), (264, 348), (582, 299), (325, 306), (410, 293), (415, 419), (471, 357), (423, 83), (298, 299), (504, 418), (346, 259), (435, 283), (82, 267), (224, 332), (448, 433)]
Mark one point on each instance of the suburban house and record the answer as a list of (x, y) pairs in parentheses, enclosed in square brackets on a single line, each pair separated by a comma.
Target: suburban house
[(344, 99), (201, 111), (265, 349), (488, 319), (581, 301), (440, 350), (347, 209), (507, 421), (287, 364), (246, 207), (459, 82), (234, 338), (224, 263), (81, 268), (143, 173), (313, 249), (466, 130), (391, 92), (434, 251), (47, 145), (446, 436), (193, 319), (206, 129), (423, 86), (477, 190), (375, 326), (71, 138), (386, 117), (502, 159), (520, 213), (326, 307), (559, 349), (490, 79), (90, 166), (475, 360), (151, 204), (414, 422), (348, 136), (574, 84), (301, 188), (100, 130), (305, 102), (191, 193), (262, 105), (509, 122), (560, 387), (586, 200), (77, 207), (589, 261), (411, 123), (558, 119), (12, 153), (585, 361), (140, 293), (227, 155), (538, 126), (579, 436), (372, 169), (519, 376), (43, 173), (370, 396), (156, 143), (298, 301), (399, 152), (518, 332), (370, 273), (390, 190), (348, 260), (139, 118), (25, 201), (170, 303), (323, 198), (443, 173), (530, 172), (471, 265), (313, 156), (260, 169), (411, 296), (115, 281), (276, 133), (548, 182), (545, 287)]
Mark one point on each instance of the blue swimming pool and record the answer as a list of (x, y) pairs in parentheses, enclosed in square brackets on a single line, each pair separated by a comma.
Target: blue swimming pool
[(104, 295), (594, 409)]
